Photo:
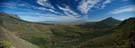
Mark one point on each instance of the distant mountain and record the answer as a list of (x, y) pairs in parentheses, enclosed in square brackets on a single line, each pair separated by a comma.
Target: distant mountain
[(103, 24), (110, 21), (122, 36)]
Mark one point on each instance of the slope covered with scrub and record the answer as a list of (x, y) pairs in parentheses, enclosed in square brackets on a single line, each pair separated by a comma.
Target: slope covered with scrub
[(122, 36)]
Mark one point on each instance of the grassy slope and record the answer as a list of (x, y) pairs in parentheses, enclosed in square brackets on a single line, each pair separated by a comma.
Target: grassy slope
[(23, 29), (36, 33), (62, 36), (122, 37), (15, 41), (51, 36)]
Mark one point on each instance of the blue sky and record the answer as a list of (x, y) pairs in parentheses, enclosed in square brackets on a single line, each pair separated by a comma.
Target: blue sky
[(68, 10)]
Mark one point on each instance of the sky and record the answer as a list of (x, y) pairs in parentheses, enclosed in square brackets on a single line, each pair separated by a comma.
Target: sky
[(68, 10)]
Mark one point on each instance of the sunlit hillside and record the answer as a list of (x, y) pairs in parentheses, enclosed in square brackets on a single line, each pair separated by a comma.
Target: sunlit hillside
[(108, 33)]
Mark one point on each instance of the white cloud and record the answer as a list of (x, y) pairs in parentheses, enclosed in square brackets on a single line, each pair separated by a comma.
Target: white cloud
[(68, 11), (14, 5), (27, 6), (70, 16), (105, 3), (11, 5), (29, 15), (50, 17), (41, 17), (45, 3), (86, 5), (123, 9), (42, 2), (45, 9), (61, 18)]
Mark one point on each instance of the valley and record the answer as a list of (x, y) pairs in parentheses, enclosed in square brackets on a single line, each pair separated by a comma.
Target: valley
[(107, 33)]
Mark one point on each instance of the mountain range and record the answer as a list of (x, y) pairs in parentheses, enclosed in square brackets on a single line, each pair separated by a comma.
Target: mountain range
[(107, 33)]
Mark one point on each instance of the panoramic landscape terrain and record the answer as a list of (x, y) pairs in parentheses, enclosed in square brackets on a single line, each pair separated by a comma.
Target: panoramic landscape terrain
[(67, 23), (107, 33)]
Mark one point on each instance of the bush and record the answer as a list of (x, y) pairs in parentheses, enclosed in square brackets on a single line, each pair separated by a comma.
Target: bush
[(5, 44)]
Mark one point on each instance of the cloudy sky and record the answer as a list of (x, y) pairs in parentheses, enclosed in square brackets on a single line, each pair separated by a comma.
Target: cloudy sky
[(69, 10)]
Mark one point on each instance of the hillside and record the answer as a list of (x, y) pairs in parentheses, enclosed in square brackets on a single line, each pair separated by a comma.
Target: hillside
[(122, 36), (106, 33), (20, 28), (12, 41)]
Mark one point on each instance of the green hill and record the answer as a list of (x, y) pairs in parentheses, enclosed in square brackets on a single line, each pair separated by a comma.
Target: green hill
[(20, 28), (122, 36), (102, 25), (103, 34)]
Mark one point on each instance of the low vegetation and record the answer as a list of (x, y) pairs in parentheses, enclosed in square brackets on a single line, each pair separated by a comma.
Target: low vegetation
[(108, 33)]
